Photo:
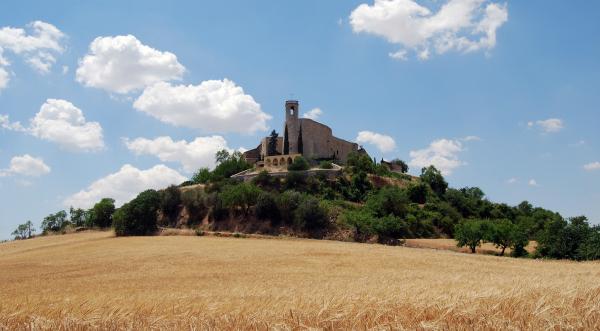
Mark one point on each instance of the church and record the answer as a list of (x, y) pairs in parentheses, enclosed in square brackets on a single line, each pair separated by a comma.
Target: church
[(301, 136)]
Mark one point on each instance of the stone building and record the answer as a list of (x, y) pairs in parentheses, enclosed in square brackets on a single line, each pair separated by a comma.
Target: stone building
[(301, 136)]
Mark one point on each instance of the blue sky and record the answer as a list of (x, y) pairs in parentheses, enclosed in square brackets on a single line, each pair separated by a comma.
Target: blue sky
[(503, 95)]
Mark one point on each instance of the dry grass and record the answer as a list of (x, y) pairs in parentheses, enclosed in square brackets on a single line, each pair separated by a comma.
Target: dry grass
[(93, 280)]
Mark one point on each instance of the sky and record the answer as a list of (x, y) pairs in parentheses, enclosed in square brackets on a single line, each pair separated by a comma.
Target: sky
[(106, 99)]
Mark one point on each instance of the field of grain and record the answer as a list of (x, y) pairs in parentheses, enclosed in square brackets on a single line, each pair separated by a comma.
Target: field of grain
[(93, 280), (450, 244)]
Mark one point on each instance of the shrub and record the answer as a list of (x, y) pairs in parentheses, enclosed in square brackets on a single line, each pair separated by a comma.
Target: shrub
[(138, 217), (390, 228), (295, 180), (266, 207), (471, 233), (390, 200), (202, 176), (299, 164), (287, 202), (194, 201), (359, 186), (326, 165), (101, 215), (361, 222), (417, 193), (358, 162), (264, 180), (242, 196), (170, 199), (311, 215)]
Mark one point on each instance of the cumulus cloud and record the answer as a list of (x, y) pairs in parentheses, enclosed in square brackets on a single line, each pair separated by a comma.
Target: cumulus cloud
[(192, 155), (123, 64), (124, 185), (383, 142), (441, 153), (592, 166), (212, 106), (313, 114), (458, 25), (59, 121), (38, 45), (532, 182), (26, 165), (551, 125)]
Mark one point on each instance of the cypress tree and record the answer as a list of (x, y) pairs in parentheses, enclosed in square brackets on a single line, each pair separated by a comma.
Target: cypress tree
[(300, 146), (286, 142)]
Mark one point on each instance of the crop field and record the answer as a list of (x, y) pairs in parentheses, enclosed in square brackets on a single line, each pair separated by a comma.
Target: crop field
[(94, 280)]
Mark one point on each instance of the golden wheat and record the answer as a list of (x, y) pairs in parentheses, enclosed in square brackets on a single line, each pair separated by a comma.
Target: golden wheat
[(96, 281)]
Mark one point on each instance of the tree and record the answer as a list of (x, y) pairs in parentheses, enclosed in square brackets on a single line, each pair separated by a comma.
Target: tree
[(138, 217), (562, 239), (78, 216), (272, 145), (286, 142), (359, 186), (202, 176), (23, 231), (299, 164), (390, 200), (287, 203), (222, 156), (401, 164), (101, 215), (357, 162), (242, 196), (501, 234), (417, 193), (434, 179), (266, 207), (311, 215), (170, 200), (300, 144), (55, 222), (471, 233), (228, 165)]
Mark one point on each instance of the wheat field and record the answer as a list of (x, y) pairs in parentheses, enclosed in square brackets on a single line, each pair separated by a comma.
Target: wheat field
[(96, 281)]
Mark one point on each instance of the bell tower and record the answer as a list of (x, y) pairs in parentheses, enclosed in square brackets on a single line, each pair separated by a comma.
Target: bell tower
[(292, 125)]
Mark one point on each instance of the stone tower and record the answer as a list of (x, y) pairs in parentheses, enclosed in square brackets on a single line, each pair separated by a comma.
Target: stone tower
[(292, 108)]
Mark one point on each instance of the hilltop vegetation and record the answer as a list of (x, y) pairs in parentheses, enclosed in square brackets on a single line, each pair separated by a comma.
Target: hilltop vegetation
[(367, 203)]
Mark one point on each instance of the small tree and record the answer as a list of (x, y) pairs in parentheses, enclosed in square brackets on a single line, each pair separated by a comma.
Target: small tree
[(299, 164), (272, 146), (266, 207), (202, 176), (170, 200), (434, 179), (325, 165), (286, 142), (501, 234), (287, 203), (300, 144), (78, 216), (23, 231), (55, 222), (471, 233), (101, 215), (241, 196), (138, 217), (311, 215)]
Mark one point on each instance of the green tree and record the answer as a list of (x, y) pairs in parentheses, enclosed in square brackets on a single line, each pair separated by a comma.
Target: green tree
[(471, 233), (390, 200), (24, 231), (77, 216), (300, 144), (266, 207), (359, 162), (286, 142), (434, 179), (287, 203), (311, 215), (138, 217), (101, 215), (202, 176), (299, 164), (502, 234), (272, 145), (326, 165), (170, 200), (242, 196), (228, 165), (417, 193), (55, 222)]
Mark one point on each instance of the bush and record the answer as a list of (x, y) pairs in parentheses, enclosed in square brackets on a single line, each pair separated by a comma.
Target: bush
[(299, 164), (170, 199), (311, 215), (202, 176), (295, 180), (242, 196), (390, 228), (359, 186), (326, 165), (264, 180), (390, 200), (361, 222), (358, 162), (138, 217), (417, 193), (471, 233), (266, 207), (287, 203), (194, 201), (101, 215)]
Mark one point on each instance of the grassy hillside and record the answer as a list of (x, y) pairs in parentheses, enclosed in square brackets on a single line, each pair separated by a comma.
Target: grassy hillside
[(96, 280)]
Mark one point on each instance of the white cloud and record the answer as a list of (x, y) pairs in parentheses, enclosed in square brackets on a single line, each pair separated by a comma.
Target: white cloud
[(5, 123), (123, 64), (65, 70), (212, 106), (124, 185), (471, 138), (551, 125), (399, 55), (4, 78), (61, 122), (38, 46), (458, 25), (383, 142), (313, 114), (532, 182), (193, 155), (592, 166), (441, 153), (512, 180), (26, 165)]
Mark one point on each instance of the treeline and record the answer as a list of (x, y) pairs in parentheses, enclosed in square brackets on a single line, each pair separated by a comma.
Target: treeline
[(353, 206)]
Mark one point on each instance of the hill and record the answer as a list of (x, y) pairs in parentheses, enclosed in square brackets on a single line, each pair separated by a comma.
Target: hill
[(96, 280)]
